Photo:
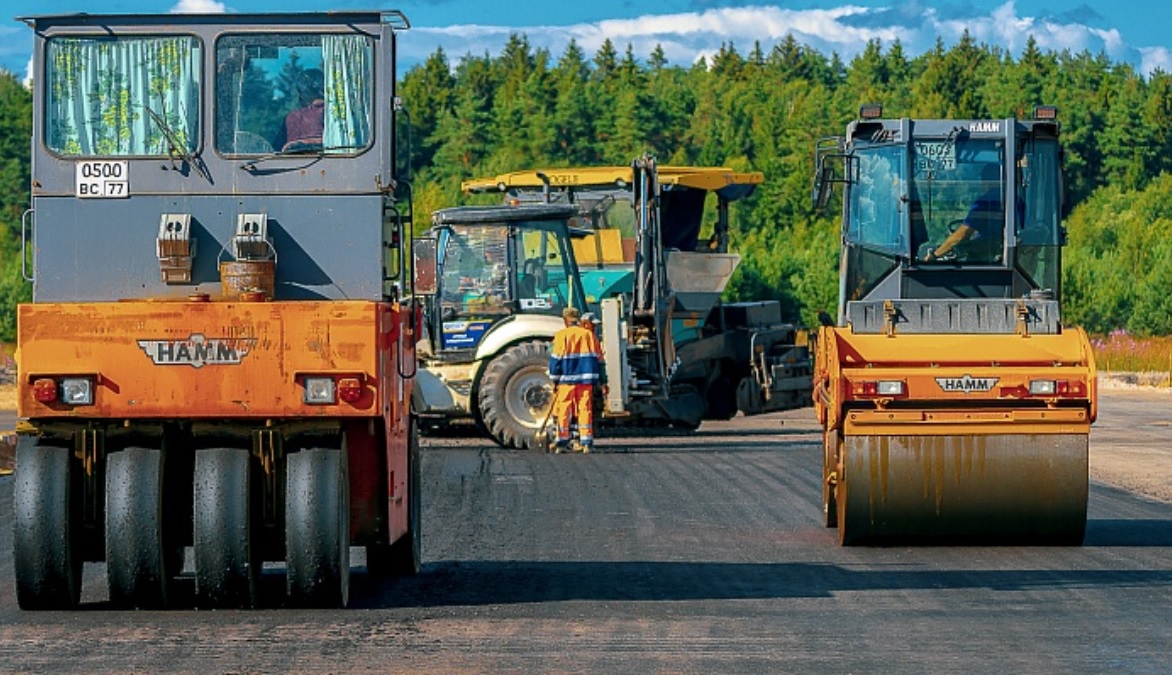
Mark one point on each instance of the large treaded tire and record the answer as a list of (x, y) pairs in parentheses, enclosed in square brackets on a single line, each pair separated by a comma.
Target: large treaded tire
[(143, 554), (46, 556), (317, 528), (227, 567), (516, 393)]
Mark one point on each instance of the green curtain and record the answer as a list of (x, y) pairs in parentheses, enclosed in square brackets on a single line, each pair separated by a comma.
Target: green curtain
[(349, 84), (100, 90)]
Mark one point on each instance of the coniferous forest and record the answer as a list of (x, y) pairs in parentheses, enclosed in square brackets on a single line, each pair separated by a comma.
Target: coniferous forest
[(763, 109)]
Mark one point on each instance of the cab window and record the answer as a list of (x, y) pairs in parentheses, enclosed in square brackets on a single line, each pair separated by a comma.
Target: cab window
[(122, 96), (293, 92)]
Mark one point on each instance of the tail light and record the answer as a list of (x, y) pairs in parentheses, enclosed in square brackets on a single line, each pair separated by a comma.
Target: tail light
[(74, 391), (45, 390), (319, 389), (1058, 388), (349, 389), (879, 388)]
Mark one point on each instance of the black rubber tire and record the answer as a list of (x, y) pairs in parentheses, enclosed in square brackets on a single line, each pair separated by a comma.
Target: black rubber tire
[(142, 556), (317, 528), (517, 368), (721, 396), (227, 567), (829, 464), (47, 558), (404, 557)]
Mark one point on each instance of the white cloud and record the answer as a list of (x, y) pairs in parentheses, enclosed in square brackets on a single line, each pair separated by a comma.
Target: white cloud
[(1155, 57), (199, 7), (28, 74), (846, 30)]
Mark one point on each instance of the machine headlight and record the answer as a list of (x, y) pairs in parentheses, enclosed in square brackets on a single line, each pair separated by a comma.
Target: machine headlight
[(1043, 387), (319, 391), (77, 391)]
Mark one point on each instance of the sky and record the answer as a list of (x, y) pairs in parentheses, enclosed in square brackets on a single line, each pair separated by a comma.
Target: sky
[(1133, 31)]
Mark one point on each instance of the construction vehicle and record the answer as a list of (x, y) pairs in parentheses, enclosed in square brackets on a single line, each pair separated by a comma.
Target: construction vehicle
[(675, 354), (954, 403), (219, 353), (504, 275)]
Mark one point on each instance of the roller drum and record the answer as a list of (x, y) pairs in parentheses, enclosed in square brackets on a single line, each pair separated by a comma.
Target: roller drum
[(1010, 488)]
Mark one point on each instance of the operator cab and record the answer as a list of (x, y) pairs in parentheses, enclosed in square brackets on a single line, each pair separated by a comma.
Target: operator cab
[(495, 264), (945, 209)]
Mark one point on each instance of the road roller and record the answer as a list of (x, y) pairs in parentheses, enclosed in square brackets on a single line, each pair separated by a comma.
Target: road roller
[(955, 405), (216, 367)]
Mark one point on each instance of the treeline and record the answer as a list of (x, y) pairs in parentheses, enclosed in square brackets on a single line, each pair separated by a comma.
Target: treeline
[(16, 125), (764, 110)]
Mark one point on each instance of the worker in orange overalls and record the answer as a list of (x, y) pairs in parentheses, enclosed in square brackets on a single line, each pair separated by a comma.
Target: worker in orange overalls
[(574, 367)]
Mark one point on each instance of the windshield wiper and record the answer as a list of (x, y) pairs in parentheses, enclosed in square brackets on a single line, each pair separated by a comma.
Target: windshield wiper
[(305, 151), (178, 147)]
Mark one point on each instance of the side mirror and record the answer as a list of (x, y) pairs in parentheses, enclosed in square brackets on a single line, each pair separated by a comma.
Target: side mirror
[(424, 266), (822, 189)]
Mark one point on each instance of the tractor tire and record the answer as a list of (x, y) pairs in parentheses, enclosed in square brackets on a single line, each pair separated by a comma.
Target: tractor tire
[(515, 394)]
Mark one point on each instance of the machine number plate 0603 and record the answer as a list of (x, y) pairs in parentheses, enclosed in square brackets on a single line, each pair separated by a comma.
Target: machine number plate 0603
[(934, 156), (103, 179)]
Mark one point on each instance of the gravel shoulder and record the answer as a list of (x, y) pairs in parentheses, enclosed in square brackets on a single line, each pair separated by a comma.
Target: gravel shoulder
[(1130, 446)]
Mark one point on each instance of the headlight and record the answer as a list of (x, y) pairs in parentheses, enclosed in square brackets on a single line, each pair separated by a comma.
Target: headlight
[(77, 391), (319, 391), (1043, 387)]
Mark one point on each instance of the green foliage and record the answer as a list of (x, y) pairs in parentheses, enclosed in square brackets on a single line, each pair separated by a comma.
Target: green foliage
[(16, 118), (764, 111), (1118, 269)]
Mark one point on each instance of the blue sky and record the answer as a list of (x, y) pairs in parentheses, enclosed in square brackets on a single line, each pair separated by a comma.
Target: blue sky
[(1135, 31)]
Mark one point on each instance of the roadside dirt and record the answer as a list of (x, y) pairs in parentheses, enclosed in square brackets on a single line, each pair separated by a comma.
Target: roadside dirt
[(1128, 446)]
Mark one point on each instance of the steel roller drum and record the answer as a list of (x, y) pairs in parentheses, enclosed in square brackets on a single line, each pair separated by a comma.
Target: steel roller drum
[(1005, 488)]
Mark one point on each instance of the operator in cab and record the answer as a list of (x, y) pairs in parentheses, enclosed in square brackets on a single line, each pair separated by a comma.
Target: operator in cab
[(305, 125), (980, 231)]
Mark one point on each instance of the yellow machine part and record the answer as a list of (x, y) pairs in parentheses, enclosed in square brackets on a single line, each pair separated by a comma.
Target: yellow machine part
[(207, 359), (703, 178), (961, 448), (600, 247)]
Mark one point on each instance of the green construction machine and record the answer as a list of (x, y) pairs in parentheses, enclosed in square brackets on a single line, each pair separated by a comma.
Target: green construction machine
[(625, 242)]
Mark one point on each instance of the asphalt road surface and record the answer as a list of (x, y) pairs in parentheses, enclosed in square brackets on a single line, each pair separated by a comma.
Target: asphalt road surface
[(702, 553)]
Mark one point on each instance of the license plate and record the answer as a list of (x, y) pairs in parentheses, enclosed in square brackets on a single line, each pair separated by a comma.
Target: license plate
[(103, 179)]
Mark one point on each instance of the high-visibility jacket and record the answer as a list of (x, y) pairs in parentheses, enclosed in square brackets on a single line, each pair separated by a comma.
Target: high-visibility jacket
[(575, 357)]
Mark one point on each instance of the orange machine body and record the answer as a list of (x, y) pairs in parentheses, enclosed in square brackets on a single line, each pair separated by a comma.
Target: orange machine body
[(223, 363)]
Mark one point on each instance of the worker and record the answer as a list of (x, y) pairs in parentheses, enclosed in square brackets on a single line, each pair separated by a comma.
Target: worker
[(305, 125), (574, 369), (981, 228)]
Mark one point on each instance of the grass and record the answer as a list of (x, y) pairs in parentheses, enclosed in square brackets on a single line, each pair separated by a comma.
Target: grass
[(1121, 352)]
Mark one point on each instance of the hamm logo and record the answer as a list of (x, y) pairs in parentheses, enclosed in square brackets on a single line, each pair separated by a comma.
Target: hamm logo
[(197, 351), (966, 384)]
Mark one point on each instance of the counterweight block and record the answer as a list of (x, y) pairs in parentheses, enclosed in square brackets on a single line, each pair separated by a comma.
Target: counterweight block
[(1007, 488)]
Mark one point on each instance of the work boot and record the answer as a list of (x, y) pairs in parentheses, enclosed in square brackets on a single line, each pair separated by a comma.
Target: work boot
[(560, 446)]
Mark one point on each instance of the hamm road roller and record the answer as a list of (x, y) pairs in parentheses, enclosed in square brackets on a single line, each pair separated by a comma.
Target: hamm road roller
[(955, 406), (217, 362)]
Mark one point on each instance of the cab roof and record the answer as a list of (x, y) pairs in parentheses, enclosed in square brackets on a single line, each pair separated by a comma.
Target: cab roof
[(394, 17), (474, 215), (731, 185)]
